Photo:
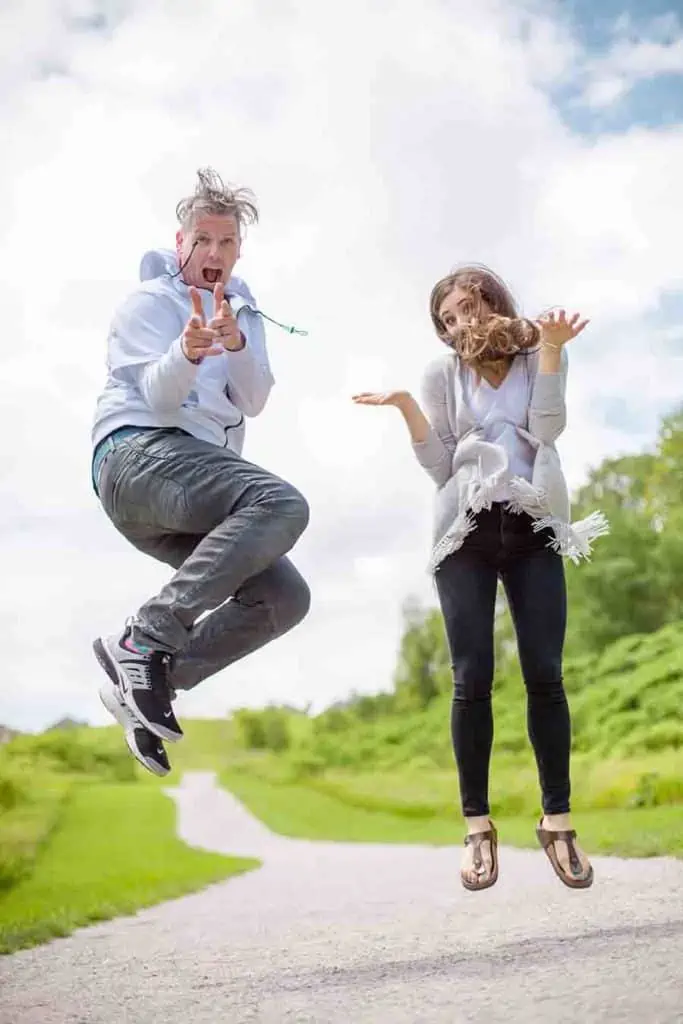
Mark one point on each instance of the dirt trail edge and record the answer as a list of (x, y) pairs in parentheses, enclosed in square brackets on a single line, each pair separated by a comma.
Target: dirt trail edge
[(337, 933)]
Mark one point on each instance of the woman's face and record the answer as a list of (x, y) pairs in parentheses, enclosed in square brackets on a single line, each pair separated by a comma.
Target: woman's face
[(461, 307)]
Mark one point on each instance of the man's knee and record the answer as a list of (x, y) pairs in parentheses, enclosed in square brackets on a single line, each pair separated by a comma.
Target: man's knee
[(289, 509), (296, 507), (289, 596), (293, 605), (283, 591)]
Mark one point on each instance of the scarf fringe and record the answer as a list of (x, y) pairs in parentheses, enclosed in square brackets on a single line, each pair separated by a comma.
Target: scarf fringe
[(483, 498), (452, 539), (574, 540), (524, 497), (571, 540)]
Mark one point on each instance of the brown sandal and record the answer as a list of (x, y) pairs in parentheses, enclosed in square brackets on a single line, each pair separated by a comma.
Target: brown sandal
[(547, 839), (475, 840)]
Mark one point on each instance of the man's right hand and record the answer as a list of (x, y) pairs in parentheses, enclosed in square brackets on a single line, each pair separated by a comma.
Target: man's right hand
[(198, 340)]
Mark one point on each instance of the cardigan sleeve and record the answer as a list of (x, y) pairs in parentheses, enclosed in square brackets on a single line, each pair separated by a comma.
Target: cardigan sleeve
[(435, 453), (548, 409)]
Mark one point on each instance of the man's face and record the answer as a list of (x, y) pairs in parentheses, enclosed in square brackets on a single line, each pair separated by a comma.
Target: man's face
[(216, 251)]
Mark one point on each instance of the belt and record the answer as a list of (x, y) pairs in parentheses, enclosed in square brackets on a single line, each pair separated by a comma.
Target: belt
[(107, 445)]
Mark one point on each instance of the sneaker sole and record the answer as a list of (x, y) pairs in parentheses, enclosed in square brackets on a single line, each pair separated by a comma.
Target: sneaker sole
[(110, 666), (116, 711)]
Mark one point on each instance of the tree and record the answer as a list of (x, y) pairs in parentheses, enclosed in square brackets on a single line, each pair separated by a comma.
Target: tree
[(423, 669), (634, 582)]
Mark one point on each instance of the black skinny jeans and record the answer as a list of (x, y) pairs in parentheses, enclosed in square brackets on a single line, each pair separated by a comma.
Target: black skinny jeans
[(504, 545)]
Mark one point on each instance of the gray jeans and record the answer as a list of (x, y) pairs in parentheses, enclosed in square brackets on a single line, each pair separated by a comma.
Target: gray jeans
[(225, 526)]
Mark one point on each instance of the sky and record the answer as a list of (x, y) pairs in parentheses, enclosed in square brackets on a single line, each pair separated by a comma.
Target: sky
[(385, 142)]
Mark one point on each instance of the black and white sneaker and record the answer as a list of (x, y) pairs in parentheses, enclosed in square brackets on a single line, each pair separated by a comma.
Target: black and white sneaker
[(143, 744), (141, 675)]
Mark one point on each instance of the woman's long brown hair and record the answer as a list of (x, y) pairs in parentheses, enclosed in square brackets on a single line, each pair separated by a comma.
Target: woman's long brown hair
[(500, 334)]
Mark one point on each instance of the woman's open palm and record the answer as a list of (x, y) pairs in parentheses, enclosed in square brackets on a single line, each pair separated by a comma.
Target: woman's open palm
[(380, 397)]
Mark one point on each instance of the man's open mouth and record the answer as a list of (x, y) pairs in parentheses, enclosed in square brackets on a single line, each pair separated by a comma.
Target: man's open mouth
[(211, 275)]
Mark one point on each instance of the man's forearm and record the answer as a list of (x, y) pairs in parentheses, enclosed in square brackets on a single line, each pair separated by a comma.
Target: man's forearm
[(166, 382)]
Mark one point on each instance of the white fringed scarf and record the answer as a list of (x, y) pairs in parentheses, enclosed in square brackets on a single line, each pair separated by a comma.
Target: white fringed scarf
[(479, 467)]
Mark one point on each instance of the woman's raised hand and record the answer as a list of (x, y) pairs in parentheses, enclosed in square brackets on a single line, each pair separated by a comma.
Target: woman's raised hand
[(557, 330)]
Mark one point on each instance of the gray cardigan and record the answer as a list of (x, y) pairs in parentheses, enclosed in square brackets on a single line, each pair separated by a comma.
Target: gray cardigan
[(467, 469)]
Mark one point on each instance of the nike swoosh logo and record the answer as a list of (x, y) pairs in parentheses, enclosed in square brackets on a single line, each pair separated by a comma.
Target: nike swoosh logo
[(167, 714)]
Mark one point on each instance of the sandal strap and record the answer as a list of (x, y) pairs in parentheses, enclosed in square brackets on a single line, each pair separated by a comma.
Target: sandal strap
[(567, 836), (547, 837), (475, 839)]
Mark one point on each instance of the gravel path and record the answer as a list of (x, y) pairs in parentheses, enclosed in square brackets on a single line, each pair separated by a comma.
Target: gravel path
[(366, 934)]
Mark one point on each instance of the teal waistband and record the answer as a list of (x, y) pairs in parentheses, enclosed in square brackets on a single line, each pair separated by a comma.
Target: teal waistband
[(106, 445)]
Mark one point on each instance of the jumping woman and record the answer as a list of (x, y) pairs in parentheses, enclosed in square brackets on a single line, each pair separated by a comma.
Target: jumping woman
[(495, 406)]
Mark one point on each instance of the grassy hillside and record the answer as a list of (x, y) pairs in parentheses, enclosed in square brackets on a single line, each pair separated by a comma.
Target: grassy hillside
[(627, 705), (381, 756)]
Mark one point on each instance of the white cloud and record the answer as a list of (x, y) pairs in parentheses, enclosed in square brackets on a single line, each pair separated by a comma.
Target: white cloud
[(384, 144), (633, 59)]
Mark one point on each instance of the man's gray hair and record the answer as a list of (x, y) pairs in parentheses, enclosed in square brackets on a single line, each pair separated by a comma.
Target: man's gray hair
[(211, 196)]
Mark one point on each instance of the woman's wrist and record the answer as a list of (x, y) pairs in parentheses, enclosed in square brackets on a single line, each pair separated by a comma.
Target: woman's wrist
[(405, 402), (550, 358)]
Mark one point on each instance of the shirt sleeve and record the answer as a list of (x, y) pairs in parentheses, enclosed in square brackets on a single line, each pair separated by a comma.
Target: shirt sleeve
[(435, 453), (144, 349), (250, 378)]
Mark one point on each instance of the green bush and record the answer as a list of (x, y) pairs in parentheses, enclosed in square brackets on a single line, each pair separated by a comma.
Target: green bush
[(263, 730), (14, 786), (96, 753)]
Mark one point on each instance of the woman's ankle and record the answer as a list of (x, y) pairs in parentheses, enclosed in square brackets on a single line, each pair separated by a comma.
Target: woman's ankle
[(479, 823), (558, 822)]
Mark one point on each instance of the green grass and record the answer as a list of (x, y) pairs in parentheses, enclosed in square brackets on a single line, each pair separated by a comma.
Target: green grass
[(614, 784), (646, 832), (298, 810), (113, 851), (27, 824), (37, 773)]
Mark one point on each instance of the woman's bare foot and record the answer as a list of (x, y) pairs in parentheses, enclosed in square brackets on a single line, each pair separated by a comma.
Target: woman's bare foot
[(572, 862), (478, 869)]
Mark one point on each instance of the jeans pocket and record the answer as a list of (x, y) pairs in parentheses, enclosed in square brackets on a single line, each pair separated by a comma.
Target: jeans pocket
[(134, 490)]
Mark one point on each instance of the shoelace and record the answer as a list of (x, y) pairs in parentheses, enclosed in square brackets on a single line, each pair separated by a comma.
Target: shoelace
[(168, 665), (158, 668)]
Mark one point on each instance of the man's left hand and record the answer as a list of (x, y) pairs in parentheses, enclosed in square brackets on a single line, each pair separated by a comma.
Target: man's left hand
[(224, 325)]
